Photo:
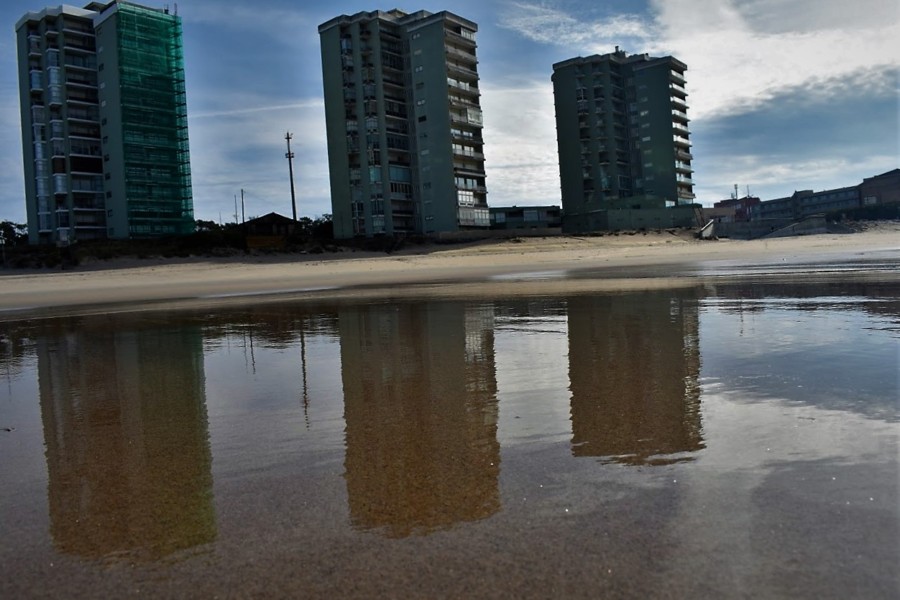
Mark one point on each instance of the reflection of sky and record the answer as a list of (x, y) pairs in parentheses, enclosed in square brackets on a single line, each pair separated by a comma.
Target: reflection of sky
[(532, 363), (259, 416), (829, 355)]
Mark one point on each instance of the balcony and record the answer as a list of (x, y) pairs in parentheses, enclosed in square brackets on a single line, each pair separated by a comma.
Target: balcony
[(678, 90), (458, 69), (79, 45), (676, 77), (461, 55), (75, 81), (462, 37), (679, 103), (680, 128), (79, 114), (81, 62), (463, 86), (683, 167), (681, 141), (680, 115)]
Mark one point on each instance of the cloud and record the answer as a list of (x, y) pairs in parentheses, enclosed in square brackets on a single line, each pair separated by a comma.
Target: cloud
[(520, 150), (734, 63), (256, 109), (547, 25)]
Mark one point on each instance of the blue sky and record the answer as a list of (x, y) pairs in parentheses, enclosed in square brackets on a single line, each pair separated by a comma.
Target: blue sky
[(784, 94)]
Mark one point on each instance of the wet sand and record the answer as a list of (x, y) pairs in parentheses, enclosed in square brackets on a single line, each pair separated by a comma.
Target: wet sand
[(524, 265)]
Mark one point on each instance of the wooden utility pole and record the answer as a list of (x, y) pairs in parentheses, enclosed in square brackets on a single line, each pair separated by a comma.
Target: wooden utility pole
[(290, 157)]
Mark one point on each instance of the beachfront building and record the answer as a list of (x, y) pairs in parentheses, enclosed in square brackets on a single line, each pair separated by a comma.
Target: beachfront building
[(403, 120), (624, 142), (104, 123)]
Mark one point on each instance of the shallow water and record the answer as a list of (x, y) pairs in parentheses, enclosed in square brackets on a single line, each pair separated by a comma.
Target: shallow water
[(726, 439)]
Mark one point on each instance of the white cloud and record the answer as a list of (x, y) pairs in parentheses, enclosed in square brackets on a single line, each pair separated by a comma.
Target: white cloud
[(520, 145), (547, 25), (734, 65)]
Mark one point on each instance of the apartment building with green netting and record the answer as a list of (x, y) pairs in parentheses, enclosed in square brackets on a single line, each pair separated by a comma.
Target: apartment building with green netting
[(104, 123)]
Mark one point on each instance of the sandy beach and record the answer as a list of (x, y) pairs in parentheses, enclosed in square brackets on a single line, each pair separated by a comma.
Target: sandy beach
[(516, 266)]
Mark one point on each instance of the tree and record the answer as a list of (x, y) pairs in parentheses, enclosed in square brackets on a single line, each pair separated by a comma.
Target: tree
[(13, 234), (201, 225)]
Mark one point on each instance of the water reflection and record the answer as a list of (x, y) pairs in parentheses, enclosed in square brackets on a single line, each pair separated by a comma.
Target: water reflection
[(401, 399), (634, 367), (832, 345), (126, 435), (421, 415)]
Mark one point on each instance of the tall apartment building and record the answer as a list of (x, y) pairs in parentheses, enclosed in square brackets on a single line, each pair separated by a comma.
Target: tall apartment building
[(403, 120), (104, 123), (623, 137)]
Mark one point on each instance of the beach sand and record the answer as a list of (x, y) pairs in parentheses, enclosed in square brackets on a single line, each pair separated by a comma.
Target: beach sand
[(516, 266)]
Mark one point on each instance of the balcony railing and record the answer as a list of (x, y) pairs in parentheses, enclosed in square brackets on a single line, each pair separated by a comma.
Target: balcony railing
[(678, 89)]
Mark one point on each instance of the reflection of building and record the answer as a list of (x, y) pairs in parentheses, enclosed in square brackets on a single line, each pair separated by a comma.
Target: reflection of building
[(403, 116), (104, 132), (421, 415), (634, 365), (126, 432)]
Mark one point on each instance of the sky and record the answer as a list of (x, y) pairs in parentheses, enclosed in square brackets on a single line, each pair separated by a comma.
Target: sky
[(784, 95)]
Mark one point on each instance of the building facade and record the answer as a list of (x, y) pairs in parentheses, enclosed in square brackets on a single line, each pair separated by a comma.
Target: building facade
[(880, 189), (623, 136), (526, 217), (104, 123), (403, 120), (805, 203)]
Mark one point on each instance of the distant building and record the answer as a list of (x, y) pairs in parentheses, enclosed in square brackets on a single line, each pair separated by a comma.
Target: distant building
[(526, 217), (623, 138), (269, 231), (403, 120), (805, 203), (741, 208), (881, 189), (104, 123)]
